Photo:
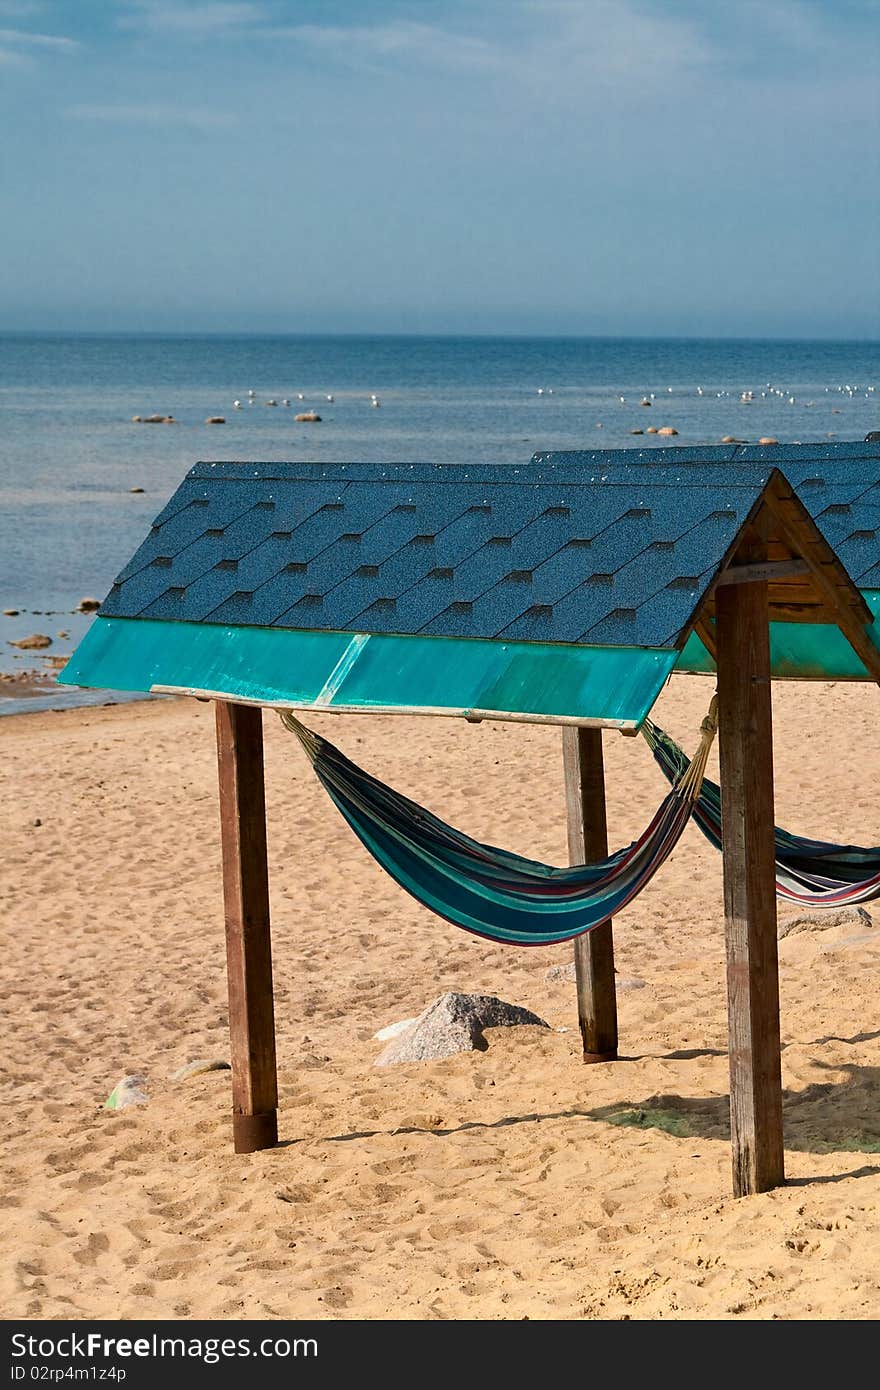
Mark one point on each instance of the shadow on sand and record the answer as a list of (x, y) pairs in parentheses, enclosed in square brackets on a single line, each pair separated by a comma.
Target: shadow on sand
[(833, 1117)]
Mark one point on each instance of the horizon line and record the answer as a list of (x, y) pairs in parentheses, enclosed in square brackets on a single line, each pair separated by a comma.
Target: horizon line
[(476, 336)]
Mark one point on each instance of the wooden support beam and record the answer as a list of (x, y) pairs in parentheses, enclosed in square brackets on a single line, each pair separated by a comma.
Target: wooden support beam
[(588, 843), (248, 948), (746, 751), (706, 633), (766, 569)]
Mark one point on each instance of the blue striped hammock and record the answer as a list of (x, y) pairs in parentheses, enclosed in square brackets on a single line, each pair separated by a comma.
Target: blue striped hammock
[(812, 873), (488, 891)]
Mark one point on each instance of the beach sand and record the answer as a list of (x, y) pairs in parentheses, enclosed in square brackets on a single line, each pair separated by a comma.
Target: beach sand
[(498, 1184)]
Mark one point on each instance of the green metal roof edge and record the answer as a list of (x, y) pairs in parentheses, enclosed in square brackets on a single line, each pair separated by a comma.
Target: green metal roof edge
[(611, 686), (799, 651)]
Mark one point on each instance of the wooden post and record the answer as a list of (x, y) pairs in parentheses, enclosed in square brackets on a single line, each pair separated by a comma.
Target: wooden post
[(588, 843), (248, 947), (745, 736)]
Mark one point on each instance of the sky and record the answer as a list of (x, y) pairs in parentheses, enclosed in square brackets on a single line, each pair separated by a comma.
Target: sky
[(561, 167)]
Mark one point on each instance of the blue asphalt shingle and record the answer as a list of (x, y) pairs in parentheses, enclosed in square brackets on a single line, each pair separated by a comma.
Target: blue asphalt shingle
[(827, 475), (604, 547)]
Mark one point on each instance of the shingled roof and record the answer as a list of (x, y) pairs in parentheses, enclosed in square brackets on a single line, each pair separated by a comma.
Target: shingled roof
[(529, 554), (552, 590), (839, 484)]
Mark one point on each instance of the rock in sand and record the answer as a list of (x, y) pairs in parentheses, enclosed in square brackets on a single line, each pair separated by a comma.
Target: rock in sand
[(823, 919), (454, 1023), (198, 1067), (393, 1030), (567, 972)]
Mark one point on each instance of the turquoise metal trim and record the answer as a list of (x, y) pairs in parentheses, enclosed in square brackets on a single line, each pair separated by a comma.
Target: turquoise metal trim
[(798, 651), (614, 686)]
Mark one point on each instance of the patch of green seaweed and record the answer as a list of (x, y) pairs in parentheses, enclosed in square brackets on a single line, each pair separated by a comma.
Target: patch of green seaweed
[(646, 1117), (853, 1144)]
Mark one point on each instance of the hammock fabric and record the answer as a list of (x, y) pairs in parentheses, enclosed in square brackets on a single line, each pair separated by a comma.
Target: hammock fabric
[(812, 873), (485, 890)]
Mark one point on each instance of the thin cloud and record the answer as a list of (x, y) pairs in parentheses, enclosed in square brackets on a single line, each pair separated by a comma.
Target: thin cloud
[(26, 39), (606, 41), (156, 114), (542, 44), (428, 44), (197, 21)]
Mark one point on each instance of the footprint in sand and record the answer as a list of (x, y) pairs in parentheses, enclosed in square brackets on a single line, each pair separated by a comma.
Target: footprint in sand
[(97, 1244)]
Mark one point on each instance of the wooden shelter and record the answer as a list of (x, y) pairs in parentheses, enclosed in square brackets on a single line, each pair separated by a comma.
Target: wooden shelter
[(563, 591)]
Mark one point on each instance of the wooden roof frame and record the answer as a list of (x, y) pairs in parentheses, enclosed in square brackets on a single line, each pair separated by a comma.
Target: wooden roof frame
[(805, 581)]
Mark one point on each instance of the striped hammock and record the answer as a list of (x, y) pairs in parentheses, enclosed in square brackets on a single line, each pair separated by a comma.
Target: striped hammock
[(488, 891), (812, 873)]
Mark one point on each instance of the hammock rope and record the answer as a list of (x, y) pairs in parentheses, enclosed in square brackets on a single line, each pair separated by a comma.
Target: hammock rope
[(811, 873), (491, 892)]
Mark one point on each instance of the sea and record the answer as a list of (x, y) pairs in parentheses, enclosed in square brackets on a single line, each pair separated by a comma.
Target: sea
[(81, 480)]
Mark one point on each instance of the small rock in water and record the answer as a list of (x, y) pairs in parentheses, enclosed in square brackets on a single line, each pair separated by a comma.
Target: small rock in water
[(637, 431), (218, 419), (131, 1090), (394, 1030), (200, 1065), (32, 643), (454, 1023), (652, 429), (137, 419), (308, 417), (732, 439), (667, 429), (135, 489), (768, 439), (88, 605), (10, 612)]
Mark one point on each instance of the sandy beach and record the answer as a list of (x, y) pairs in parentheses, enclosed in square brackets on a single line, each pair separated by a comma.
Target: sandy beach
[(512, 1183)]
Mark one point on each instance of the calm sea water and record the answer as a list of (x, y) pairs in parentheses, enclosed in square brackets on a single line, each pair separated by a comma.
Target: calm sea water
[(69, 452)]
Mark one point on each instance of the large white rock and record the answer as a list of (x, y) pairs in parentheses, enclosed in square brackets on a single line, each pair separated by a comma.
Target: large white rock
[(454, 1023)]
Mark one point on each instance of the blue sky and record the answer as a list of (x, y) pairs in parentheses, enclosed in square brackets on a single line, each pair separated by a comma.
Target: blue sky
[(512, 166)]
